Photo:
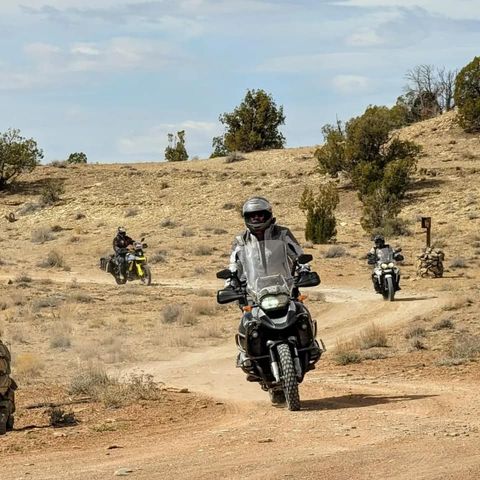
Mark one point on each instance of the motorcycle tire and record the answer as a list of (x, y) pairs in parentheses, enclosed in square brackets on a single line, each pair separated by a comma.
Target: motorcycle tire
[(289, 377), (10, 423), (390, 293), (120, 281), (147, 275)]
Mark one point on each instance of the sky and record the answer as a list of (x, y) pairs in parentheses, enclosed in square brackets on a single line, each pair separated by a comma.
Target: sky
[(112, 78)]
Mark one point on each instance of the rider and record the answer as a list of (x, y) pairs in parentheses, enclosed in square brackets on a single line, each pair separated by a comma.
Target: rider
[(7, 391), (258, 217), (261, 226), (372, 256), (121, 242)]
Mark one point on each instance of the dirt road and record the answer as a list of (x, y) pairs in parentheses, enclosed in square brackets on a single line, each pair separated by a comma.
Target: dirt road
[(377, 426)]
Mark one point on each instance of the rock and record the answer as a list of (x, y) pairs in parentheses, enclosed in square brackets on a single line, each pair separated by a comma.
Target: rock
[(123, 472), (265, 440)]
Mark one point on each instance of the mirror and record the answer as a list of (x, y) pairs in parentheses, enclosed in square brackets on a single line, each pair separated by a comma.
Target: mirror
[(225, 274), (304, 258), (310, 279), (227, 296)]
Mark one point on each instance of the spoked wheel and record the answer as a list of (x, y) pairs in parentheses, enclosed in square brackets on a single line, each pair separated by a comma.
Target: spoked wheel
[(146, 279), (289, 378)]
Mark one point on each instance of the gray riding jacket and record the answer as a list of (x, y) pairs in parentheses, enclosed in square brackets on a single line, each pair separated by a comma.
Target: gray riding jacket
[(273, 232)]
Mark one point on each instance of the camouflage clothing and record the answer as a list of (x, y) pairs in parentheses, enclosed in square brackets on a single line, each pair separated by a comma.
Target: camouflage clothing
[(7, 391)]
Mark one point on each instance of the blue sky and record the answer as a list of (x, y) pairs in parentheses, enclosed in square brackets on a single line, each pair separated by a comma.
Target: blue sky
[(112, 77)]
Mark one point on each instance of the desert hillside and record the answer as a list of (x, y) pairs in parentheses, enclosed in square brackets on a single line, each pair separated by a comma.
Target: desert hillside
[(408, 410)]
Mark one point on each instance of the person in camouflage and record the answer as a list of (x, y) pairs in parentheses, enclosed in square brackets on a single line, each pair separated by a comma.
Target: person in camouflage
[(7, 391)]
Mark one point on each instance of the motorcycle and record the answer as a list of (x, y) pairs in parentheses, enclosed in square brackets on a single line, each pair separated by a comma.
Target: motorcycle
[(386, 274), (137, 267), (276, 337)]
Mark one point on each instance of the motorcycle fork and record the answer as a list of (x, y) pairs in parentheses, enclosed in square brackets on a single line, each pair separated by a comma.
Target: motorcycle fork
[(292, 342), (139, 269)]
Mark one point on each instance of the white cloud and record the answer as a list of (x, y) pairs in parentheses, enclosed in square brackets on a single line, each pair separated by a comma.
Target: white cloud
[(364, 38), (350, 84), (52, 64), (319, 62), (458, 9)]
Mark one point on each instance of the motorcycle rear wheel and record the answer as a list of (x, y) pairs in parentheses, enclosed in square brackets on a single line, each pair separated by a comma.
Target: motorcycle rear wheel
[(289, 377), (147, 275)]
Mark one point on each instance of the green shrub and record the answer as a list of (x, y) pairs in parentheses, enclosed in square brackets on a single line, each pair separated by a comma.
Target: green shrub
[(379, 210), (77, 157), (319, 208), (175, 151), (331, 155), (253, 125), (17, 155), (51, 191), (467, 96)]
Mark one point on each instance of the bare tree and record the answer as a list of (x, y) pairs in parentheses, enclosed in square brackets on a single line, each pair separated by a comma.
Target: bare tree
[(446, 79), (429, 91)]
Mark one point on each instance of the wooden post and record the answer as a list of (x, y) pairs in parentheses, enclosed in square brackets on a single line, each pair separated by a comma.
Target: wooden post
[(427, 223)]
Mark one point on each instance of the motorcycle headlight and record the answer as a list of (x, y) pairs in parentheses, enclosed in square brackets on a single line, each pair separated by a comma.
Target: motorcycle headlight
[(384, 265), (391, 265), (272, 302)]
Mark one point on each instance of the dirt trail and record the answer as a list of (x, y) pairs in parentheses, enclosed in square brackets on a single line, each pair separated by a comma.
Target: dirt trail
[(349, 310), (360, 427)]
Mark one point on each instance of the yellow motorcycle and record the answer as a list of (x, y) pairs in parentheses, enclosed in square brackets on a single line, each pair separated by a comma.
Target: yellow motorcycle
[(137, 267)]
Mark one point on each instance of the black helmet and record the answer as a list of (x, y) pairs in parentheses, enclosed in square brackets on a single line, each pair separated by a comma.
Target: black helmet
[(379, 240), (257, 205), (121, 231)]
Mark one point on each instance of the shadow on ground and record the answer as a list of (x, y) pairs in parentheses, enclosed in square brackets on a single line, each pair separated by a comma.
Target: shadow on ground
[(357, 401)]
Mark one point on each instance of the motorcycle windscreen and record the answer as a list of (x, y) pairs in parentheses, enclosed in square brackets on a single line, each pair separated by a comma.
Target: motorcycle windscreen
[(385, 255), (266, 263)]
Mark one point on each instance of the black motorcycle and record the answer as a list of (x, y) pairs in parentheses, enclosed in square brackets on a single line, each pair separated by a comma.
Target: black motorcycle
[(386, 274), (277, 334)]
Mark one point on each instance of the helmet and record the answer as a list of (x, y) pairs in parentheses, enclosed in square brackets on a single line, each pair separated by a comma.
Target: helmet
[(379, 240), (122, 231), (257, 205)]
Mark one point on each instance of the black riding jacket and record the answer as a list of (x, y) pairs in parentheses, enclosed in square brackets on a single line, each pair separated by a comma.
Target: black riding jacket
[(121, 241)]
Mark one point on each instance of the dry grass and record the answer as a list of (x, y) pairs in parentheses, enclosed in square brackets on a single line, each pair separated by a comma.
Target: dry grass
[(42, 235), (372, 336), (17, 299), (160, 256), (346, 352), (204, 307), (23, 278), (61, 335), (466, 346), (211, 329), (54, 259), (415, 332), (335, 251), (171, 313), (444, 324), (203, 250), (28, 365)]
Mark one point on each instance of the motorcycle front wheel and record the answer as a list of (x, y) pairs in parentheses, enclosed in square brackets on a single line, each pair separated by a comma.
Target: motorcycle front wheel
[(120, 281), (289, 377), (146, 278), (390, 293)]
